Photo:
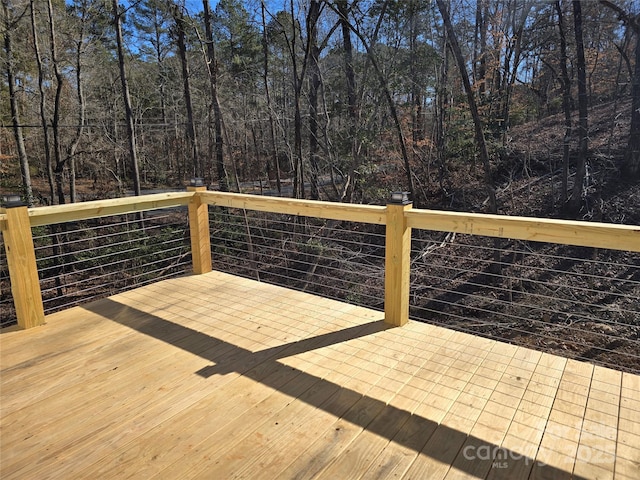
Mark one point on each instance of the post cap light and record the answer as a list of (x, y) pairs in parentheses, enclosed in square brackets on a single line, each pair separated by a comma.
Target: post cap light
[(196, 182), (400, 198), (12, 200)]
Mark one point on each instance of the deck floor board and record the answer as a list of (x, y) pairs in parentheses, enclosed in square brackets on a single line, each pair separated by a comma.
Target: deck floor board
[(216, 376)]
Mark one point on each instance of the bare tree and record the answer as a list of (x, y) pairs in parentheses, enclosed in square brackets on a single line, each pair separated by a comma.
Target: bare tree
[(79, 43), (631, 163), (442, 96), (512, 59), (566, 104), (480, 45), (9, 26), (180, 37), (212, 69), (573, 206), (43, 101), (58, 170), (131, 136), (388, 96), (298, 178), (473, 107), (267, 92), (314, 86), (353, 111)]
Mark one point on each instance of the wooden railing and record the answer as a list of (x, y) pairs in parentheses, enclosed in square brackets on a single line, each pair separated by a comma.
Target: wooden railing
[(398, 218)]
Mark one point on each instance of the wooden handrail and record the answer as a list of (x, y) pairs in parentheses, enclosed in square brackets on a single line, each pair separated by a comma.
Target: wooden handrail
[(566, 232), (399, 222), (309, 208), (72, 212), (569, 232)]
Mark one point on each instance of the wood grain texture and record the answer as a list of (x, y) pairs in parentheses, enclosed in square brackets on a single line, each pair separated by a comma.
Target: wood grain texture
[(23, 271), (215, 376), (587, 234), (72, 212), (199, 232), (309, 208), (397, 266)]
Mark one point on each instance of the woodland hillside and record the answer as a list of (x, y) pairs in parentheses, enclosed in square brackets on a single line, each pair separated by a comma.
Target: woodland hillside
[(509, 106)]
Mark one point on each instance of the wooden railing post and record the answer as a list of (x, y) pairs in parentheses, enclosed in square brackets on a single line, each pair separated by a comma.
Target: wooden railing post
[(199, 229), (23, 271), (397, 261)]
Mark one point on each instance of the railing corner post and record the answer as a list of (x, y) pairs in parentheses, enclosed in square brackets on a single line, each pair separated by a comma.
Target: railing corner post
[(397, 261), (23, 270), (199, 229)]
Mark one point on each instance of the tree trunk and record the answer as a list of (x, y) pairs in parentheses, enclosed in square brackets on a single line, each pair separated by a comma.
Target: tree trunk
[(314, 86), (392, 106), (178, 16), (473, 107), (480, 44), (442, 95), (298, 177), (43, 103), (58, 170), (13, 101), (631, 163), (573, 206), (212, 68), (350, 78), (510, 74), (71, 150), (267, 91), (117, 19), (566, 106)]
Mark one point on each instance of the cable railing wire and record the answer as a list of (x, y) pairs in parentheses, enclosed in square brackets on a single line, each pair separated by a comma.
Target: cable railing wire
[(99, 295), (106, 255), (85, 230), (515, 290), (111, 255), (326, 257), (275, 249), (513, 277), (589, 311), (319, 275), (505, 289), (536, 268), (533, 294), (355, 297), (310, 236), (510, 316), (373, 276), (85, 273), (7, 310), (264, 270)]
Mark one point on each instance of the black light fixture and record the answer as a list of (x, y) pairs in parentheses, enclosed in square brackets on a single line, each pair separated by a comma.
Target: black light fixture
[(400, 198), (196, 182), (12, 200)]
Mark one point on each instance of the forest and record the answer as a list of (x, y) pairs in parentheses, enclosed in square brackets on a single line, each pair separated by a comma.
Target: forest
[(502, 106)]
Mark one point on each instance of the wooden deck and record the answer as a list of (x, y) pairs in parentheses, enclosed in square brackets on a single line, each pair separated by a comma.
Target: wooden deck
[(217, 377)]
